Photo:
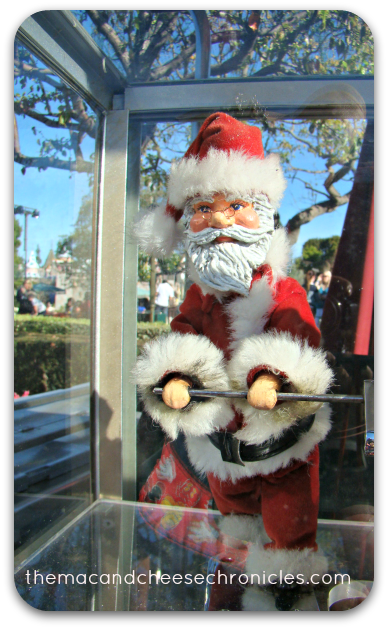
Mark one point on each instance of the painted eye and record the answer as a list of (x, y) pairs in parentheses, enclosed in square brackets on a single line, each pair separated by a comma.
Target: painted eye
[(204, 209), (236, 206)]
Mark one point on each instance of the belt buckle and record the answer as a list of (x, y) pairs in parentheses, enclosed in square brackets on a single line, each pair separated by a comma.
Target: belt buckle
[(230, 449)]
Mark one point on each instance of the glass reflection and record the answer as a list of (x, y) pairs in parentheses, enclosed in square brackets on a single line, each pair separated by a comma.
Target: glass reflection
[(161, 45), (257, 458), (54, 139), (122, 556)]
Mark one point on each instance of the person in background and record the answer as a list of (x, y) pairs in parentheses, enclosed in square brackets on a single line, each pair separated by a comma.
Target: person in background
[(25, 304), (85, 306), (164, 297), (49, 308), (320, 295), (23, 290), (77, 310), (69, 306), (310, 288), (39, 307)]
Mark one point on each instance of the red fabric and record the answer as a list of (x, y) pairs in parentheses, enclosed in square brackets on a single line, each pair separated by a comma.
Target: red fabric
[(170, 483), (204, 314), (287, 499), (224, 133)]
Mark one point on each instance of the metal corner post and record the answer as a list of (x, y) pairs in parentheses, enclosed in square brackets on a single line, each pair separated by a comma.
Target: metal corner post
[(109, 320), (129, 402), (202, 54)]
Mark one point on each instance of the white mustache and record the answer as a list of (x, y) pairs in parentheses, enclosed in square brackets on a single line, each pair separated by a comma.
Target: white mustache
[(237, 232)]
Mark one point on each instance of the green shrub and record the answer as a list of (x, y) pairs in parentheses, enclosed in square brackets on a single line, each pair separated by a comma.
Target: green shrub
[(148, 331), (49, 362), (54, 353), (50, 353), (25, 324)]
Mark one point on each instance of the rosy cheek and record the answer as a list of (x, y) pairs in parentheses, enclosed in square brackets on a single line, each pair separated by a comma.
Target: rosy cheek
[(198, 223), (247, 218)]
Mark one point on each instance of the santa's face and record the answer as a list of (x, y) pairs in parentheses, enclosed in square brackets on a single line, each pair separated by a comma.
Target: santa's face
[(226, 239), (220, 214)]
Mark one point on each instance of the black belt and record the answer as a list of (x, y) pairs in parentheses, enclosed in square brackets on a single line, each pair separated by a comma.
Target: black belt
[(235, 451)]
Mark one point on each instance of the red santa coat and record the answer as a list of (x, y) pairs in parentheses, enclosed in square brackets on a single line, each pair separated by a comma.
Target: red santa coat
[(225, 343)]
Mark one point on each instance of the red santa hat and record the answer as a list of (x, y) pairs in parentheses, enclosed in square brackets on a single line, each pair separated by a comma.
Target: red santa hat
[(227, 157)]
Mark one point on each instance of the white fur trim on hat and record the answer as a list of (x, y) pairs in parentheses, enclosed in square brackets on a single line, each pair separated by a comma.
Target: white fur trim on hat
[(192, 356), (157, 233), (230, 172)]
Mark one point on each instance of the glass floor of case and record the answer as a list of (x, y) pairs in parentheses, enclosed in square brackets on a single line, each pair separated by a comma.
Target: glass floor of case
[(122, 556)]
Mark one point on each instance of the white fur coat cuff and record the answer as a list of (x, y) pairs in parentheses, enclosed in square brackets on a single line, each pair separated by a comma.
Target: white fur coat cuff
[(304, 367), (197, 358)]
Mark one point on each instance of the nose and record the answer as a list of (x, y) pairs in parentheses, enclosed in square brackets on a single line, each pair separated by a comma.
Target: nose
[(218, 220)]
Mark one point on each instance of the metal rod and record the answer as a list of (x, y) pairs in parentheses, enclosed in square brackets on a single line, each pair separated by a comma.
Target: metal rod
[(282, 397)]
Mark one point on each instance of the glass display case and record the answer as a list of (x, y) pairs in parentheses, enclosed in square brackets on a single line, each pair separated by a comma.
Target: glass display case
[(105, 103), (122, 556)]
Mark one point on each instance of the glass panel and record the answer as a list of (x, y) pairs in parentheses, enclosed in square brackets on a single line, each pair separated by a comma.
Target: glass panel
[(320, 208), (122, 556), (160, 45), (53, 206), (145, 45), (289, 43)]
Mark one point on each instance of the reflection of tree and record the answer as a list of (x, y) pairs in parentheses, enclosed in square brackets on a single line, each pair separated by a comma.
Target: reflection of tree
[(18, 260), (42, 97), (318, 253), (76, 248), (160, 45)]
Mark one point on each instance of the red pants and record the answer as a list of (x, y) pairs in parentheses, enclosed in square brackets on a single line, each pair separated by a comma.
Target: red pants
[(287, 499)]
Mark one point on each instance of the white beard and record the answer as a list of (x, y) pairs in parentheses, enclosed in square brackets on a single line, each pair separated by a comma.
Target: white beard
[(228, 266)]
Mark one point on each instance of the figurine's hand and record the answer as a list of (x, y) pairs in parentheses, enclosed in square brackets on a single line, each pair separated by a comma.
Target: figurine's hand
[(175, 393), (262, 393)]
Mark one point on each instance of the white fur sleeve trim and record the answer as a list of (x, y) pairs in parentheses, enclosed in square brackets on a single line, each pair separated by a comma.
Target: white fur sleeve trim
[(303, 366), (192, 356), (157, 233), (231, 172)]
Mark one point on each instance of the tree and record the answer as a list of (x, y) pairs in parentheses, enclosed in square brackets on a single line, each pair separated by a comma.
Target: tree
[(318, 253), (37, 255), (160, 45), (76, 248), (17, 260)]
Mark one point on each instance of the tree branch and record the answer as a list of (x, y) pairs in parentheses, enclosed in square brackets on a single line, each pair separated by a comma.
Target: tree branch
[(158, 40), (310, 187), (41, 74), (111, 36), (305, 216), (287, 42), (16, 143), (48, 122), (84, 124), (166, 69), (232, 64), (42, 163)]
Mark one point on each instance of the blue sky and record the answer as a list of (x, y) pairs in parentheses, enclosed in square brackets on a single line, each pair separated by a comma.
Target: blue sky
[(57, 194)]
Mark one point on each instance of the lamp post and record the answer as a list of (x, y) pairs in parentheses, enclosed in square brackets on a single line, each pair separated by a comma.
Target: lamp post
[(27, 211)]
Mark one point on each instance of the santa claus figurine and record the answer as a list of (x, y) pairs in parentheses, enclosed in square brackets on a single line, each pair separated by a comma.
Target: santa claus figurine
[(244, 325)]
